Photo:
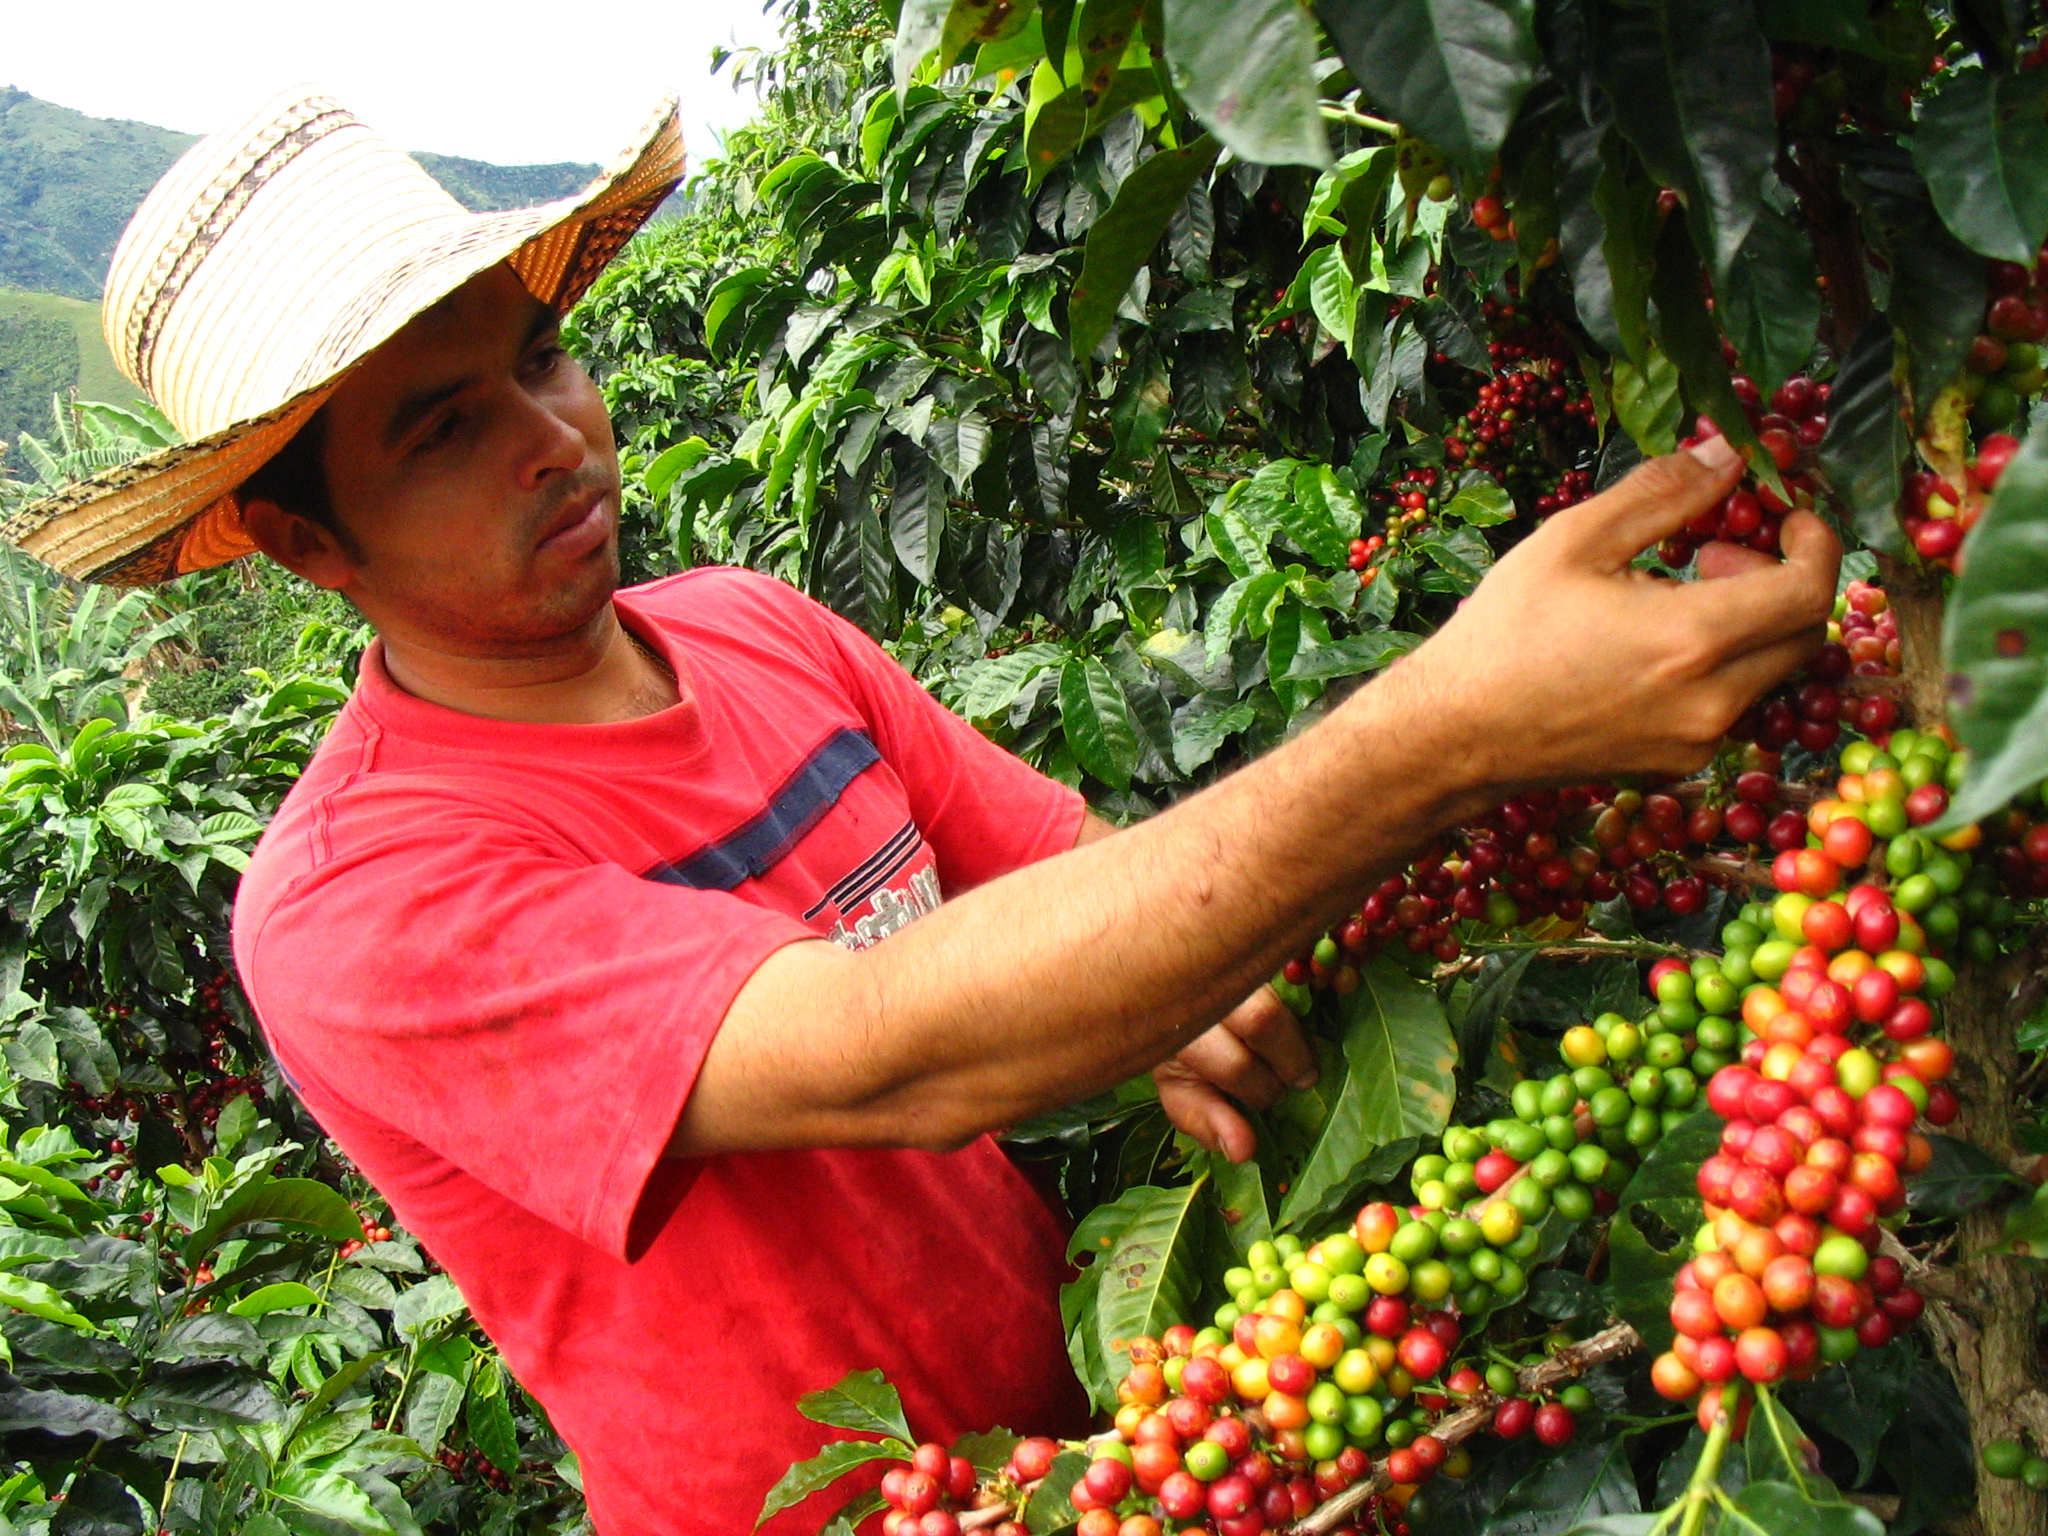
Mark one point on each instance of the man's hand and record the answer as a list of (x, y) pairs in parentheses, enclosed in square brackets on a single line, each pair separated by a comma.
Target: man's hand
[(1254, 1056), (1568, 665)]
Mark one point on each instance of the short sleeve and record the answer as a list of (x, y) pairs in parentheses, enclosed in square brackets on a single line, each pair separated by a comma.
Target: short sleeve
[(534, 1021), (984, 811)]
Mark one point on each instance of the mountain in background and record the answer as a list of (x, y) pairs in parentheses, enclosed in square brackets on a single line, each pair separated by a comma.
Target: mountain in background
[(68, 185)]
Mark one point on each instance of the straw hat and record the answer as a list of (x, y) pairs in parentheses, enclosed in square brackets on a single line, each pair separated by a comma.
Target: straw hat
[(271, 258)]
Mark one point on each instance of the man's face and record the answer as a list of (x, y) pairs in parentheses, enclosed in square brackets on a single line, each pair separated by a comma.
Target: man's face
[(471, 464)]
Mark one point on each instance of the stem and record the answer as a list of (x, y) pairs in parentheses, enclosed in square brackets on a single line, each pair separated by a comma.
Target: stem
[(171, 1482), (1706, 1477), (1575, 1360), (1338, 114)]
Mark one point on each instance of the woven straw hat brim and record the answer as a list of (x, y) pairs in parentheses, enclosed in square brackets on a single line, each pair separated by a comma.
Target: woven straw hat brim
[(175, 511)]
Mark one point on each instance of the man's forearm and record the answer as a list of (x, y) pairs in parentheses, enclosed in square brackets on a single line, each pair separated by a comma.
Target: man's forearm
[(1064, 977), (1566, 665)]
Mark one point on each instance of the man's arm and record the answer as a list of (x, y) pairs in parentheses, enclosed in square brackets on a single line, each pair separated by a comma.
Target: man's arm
[(1061, 978), (1253, 1054)]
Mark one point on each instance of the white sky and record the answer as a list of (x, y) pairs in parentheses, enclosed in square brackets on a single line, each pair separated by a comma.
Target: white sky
[(517, 83)]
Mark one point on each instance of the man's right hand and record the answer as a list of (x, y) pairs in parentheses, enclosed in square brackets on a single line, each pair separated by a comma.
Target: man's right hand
[(1567, 664)]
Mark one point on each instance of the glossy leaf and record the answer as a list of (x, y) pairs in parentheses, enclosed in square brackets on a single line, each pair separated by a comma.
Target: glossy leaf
[(1982, 147), (1352, 655), (1770, 304), (330, 1496), (1049, 1509), (1588, 1481), (1453, 72), (1690, 83), (1960, 1177), (300, 1205), (40, 1300), (97, 1503), (275, 1298), (824, 1469), (862, 1401), (1246, 68), (917, 512), (1937, 282), (1151, 1278), (1856, 1403), (1864, 453), (1651, 1234), (487, 1416), (1688, 336), (1097, 719), (1776, 1507), (1995, 639), (1400, 1078), (1123, 239), (1646, 402)]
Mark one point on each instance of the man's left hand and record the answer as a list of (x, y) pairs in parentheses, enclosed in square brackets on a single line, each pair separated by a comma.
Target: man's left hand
[(1254, 1056)]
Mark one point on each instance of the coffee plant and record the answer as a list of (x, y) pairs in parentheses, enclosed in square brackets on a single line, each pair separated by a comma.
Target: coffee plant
[(1148, 373)]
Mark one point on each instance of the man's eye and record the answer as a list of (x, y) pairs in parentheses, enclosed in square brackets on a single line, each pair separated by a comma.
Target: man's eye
[(440, 432), (545, 360)]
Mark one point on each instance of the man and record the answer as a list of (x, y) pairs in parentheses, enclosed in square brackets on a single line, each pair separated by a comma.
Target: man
[(570, 935)]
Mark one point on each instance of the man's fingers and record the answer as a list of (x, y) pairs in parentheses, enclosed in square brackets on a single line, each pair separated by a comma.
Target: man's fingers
[(1653, 502), (1198, 1110), (1759, 608), (1269, 1027), (1717, 560), (1218, 1057), (1749, 675)]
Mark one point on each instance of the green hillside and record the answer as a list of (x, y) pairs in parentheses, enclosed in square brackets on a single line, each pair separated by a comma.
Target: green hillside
[(50, 343)]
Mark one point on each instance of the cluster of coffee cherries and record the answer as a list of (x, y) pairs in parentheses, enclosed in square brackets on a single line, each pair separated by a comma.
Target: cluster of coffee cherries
[(1533, 414), (924, 1497), (2011, 1460), (2020, 856), (374, 1231), (1753, 514), (2004, 363), (1937, 514), (1837, 1067), (473, 1466)]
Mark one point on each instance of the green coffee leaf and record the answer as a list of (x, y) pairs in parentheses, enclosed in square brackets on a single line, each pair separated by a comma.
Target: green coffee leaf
[(1097, 719), (1123, 239), (1400, 1077), (862, 1401), (1995, 639), (1453, 72), (1152, 1277), (1247, 70), (1982, 147)]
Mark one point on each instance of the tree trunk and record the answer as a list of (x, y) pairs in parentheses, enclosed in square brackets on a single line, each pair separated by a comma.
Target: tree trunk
[(1984, 1322)]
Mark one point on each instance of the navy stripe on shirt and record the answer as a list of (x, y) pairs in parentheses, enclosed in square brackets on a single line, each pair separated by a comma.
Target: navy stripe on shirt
[(754, 848)]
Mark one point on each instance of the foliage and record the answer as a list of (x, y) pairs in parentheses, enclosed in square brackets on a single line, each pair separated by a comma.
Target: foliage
[(38, 359)]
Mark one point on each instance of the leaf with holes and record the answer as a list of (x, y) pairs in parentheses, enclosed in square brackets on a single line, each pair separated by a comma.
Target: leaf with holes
[(1151, 1278), (1995, 639)]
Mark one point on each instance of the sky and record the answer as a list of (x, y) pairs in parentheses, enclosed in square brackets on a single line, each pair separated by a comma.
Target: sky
[(458, 77)]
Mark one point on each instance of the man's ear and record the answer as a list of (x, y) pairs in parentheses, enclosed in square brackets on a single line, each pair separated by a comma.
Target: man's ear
[(298, 544)]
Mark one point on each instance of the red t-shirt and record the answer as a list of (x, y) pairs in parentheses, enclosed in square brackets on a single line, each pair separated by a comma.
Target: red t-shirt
[(490, 957)]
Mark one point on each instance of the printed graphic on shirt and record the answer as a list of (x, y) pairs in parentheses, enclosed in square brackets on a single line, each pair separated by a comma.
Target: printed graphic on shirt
[(874, 898), (878, 896)]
